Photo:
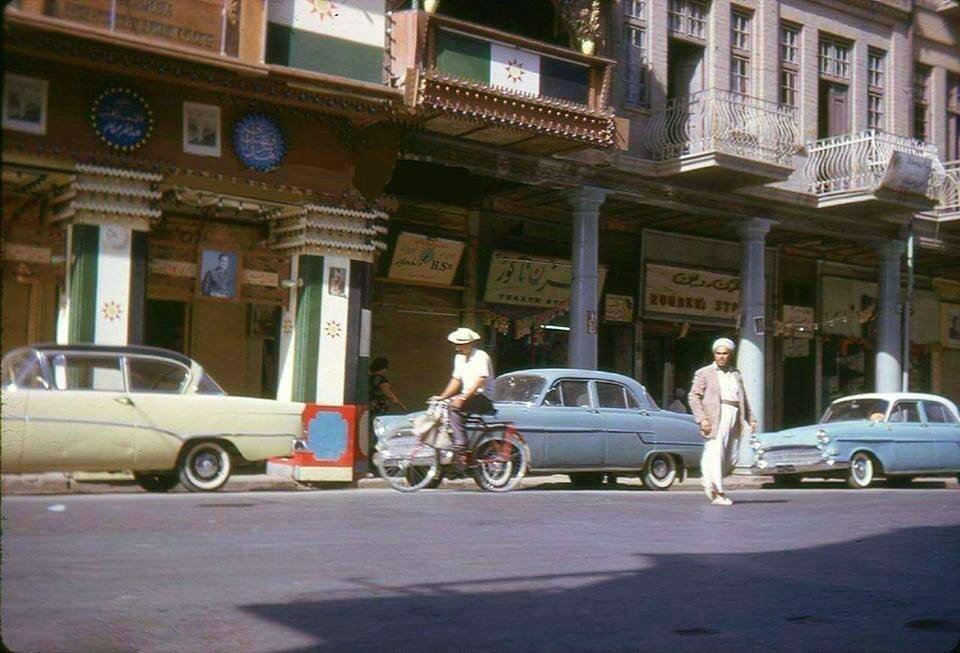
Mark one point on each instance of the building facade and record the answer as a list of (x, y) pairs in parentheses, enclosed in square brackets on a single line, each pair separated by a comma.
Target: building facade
[(284, 189)]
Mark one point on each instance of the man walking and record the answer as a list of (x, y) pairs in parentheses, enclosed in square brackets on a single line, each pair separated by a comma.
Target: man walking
[(719, 404)]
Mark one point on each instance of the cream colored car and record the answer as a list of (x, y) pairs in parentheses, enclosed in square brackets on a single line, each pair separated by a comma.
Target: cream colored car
[(152, 411)]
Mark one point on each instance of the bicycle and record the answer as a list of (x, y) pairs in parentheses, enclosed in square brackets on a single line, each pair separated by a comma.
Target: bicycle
[(496, 456)]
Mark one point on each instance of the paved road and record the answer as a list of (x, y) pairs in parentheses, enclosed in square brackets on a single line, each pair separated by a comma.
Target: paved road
[(547, 569)]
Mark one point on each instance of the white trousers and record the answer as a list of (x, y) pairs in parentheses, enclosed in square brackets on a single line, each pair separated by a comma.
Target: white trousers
[(715, 456)]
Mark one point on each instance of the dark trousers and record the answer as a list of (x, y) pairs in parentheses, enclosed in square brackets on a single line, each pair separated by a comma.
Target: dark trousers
[(476, 404)]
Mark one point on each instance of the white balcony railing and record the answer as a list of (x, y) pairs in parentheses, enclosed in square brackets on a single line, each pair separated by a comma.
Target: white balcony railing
[(722, 121), (857, 162), (949, 204)]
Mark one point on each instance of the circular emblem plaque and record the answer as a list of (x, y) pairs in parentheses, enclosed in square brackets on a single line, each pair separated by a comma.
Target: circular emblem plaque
[(122, 119), (259, 143)]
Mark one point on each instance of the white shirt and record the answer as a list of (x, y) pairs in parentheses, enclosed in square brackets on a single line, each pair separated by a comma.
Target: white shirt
[(729, 388), (468, 370)]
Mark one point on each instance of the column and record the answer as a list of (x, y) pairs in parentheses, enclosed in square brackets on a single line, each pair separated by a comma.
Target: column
[(887, 368), (106, 284), (750, 351), (583, 288)]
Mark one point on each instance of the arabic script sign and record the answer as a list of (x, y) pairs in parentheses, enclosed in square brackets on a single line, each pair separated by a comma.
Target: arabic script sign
[(259, 143), (421, 258), (687, 291), (528, 281), (122, 118)]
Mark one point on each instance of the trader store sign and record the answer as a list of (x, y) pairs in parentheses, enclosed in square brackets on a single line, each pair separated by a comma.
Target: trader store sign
[(529, 281), (691, 292)]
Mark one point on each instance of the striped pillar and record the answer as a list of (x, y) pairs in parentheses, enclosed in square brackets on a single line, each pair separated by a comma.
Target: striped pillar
[(106, 284)]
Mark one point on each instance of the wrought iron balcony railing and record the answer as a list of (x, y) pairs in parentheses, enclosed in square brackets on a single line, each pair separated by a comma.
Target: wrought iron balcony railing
[(949, 205), (858, 162), (722, 121)]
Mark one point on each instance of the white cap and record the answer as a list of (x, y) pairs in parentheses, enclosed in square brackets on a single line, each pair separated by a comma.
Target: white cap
[(723, 342), (463, 336)]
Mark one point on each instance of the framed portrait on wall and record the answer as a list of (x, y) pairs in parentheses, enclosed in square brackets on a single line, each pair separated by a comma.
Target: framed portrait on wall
[(337, 283), (950, 325), (24, 104), (219, 274), (201, 129)]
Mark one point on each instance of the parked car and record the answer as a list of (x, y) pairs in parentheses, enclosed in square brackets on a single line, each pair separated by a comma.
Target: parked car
[(586, 424), (152, 411), (895, 435)]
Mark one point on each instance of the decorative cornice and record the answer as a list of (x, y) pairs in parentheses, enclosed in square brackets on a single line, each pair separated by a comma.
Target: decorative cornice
[(318, 229)]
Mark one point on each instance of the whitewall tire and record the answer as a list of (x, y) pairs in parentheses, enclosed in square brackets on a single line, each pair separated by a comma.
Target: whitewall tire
[(205, 467)]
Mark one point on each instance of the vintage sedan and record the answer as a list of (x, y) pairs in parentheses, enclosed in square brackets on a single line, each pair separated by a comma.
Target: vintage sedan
[(144, 409), (894, 435), (586, 424)]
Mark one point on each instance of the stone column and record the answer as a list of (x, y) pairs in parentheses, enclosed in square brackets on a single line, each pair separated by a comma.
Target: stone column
[(887, 368), (584, 278), (751, 349)]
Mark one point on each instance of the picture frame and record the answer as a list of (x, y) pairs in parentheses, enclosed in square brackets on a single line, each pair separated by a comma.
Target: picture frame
[(219, 274), (202, 129), (950, 325), (337, 282), (25, 103)]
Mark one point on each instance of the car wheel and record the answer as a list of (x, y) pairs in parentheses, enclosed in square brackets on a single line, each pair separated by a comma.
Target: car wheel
[(787, 480), (206, 466), (660, 472), (586, 479), (899, 481), (862, 471), (156, 482)]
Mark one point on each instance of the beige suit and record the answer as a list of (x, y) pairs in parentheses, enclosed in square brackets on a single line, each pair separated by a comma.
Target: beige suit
[(726, 423)]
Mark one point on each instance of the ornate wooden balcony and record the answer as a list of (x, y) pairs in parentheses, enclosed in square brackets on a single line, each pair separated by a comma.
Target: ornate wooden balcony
[(877, 170), (490, 86), (706, 136)]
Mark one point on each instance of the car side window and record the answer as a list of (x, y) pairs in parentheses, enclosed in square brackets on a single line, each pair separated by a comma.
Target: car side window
[(938, 413), (611, 395), (568, 393), (87, 372), (22, 370), (146, 374), (907, 412), (631, 400)]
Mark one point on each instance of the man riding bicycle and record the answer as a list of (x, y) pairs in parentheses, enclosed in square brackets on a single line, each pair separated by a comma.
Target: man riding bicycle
[(470, 386)]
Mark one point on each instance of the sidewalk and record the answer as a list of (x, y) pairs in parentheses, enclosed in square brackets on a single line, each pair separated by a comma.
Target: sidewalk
[(122, 483)]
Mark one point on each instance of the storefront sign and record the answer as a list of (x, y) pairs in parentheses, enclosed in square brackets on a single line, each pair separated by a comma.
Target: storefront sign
[(950, 324), (907, 173), (196, 23), (259, 143), (528, 281), (122, 119), (688, 291), (26, 253), (184, 269), (618, 308), (798, 321), (261, 278), (420, 258)]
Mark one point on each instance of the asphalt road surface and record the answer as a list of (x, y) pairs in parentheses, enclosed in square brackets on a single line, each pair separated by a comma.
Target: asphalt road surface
[(534, 570)]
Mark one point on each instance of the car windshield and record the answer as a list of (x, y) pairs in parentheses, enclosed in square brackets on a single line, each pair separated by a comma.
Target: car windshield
[(518, 388), (853, 410)]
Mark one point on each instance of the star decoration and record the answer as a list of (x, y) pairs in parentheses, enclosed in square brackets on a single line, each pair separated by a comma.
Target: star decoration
[(287, 326), (324, 9), (515, 70), (111, 311), (333, 329)]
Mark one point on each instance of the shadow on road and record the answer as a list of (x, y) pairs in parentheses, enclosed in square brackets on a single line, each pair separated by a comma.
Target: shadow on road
[(860, 594), (808, 484)]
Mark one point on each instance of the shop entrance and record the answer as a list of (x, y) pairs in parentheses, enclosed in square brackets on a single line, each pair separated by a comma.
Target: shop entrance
[(671, 355)]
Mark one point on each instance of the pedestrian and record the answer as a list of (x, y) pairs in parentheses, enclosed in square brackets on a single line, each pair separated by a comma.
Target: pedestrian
[(381, 392), (677, 405), (471, 385), (719, 403)]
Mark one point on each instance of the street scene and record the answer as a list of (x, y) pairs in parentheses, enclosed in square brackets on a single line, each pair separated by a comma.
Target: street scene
[(597, 325)]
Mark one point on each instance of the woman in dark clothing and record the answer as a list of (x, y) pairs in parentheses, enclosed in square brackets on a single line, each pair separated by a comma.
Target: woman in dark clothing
[(381, 394)]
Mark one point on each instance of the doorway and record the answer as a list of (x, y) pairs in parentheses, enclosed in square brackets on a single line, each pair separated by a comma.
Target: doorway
[(165, 325), (833, 111)]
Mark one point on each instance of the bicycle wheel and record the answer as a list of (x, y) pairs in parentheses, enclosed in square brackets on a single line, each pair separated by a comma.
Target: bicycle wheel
[(500, 464), (410, 473)]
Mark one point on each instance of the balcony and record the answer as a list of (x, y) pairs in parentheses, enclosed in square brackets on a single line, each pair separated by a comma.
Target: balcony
[(489, 86), (875, 171), (948, 208), (706, 136)]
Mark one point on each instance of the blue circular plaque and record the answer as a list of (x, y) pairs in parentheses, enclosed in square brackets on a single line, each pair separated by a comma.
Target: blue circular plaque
[(259, 143), (122, 118)]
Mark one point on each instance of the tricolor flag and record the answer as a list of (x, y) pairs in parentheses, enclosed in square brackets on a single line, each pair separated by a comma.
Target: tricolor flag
[(337, 37), (505, 66)]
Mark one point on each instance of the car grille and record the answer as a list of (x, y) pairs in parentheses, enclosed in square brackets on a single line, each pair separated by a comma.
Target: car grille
[(793, 456)]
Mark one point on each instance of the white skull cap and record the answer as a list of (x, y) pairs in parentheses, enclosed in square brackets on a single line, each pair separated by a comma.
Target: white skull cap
[(723, 342)]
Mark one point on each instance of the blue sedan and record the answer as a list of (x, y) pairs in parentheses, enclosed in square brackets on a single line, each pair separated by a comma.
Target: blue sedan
[(895, 435), (586, 424)]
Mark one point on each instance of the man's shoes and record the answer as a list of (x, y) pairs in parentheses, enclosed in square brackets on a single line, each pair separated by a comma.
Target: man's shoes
[(711, 494), (721, 501)]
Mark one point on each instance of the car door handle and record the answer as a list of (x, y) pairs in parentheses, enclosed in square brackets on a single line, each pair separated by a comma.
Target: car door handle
[(126, 401)]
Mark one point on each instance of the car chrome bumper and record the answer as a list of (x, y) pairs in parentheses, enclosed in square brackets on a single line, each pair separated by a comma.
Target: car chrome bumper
[(787, 468)]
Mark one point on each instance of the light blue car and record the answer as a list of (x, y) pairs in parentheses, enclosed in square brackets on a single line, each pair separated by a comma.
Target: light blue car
[(895, 435), (586, 424)]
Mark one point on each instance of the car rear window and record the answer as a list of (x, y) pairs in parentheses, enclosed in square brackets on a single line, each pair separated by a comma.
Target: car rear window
[(937, 413)]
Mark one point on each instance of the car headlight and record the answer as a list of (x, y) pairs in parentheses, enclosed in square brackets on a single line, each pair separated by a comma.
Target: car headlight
[(755, 444), (379, 428), (822, 437)]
